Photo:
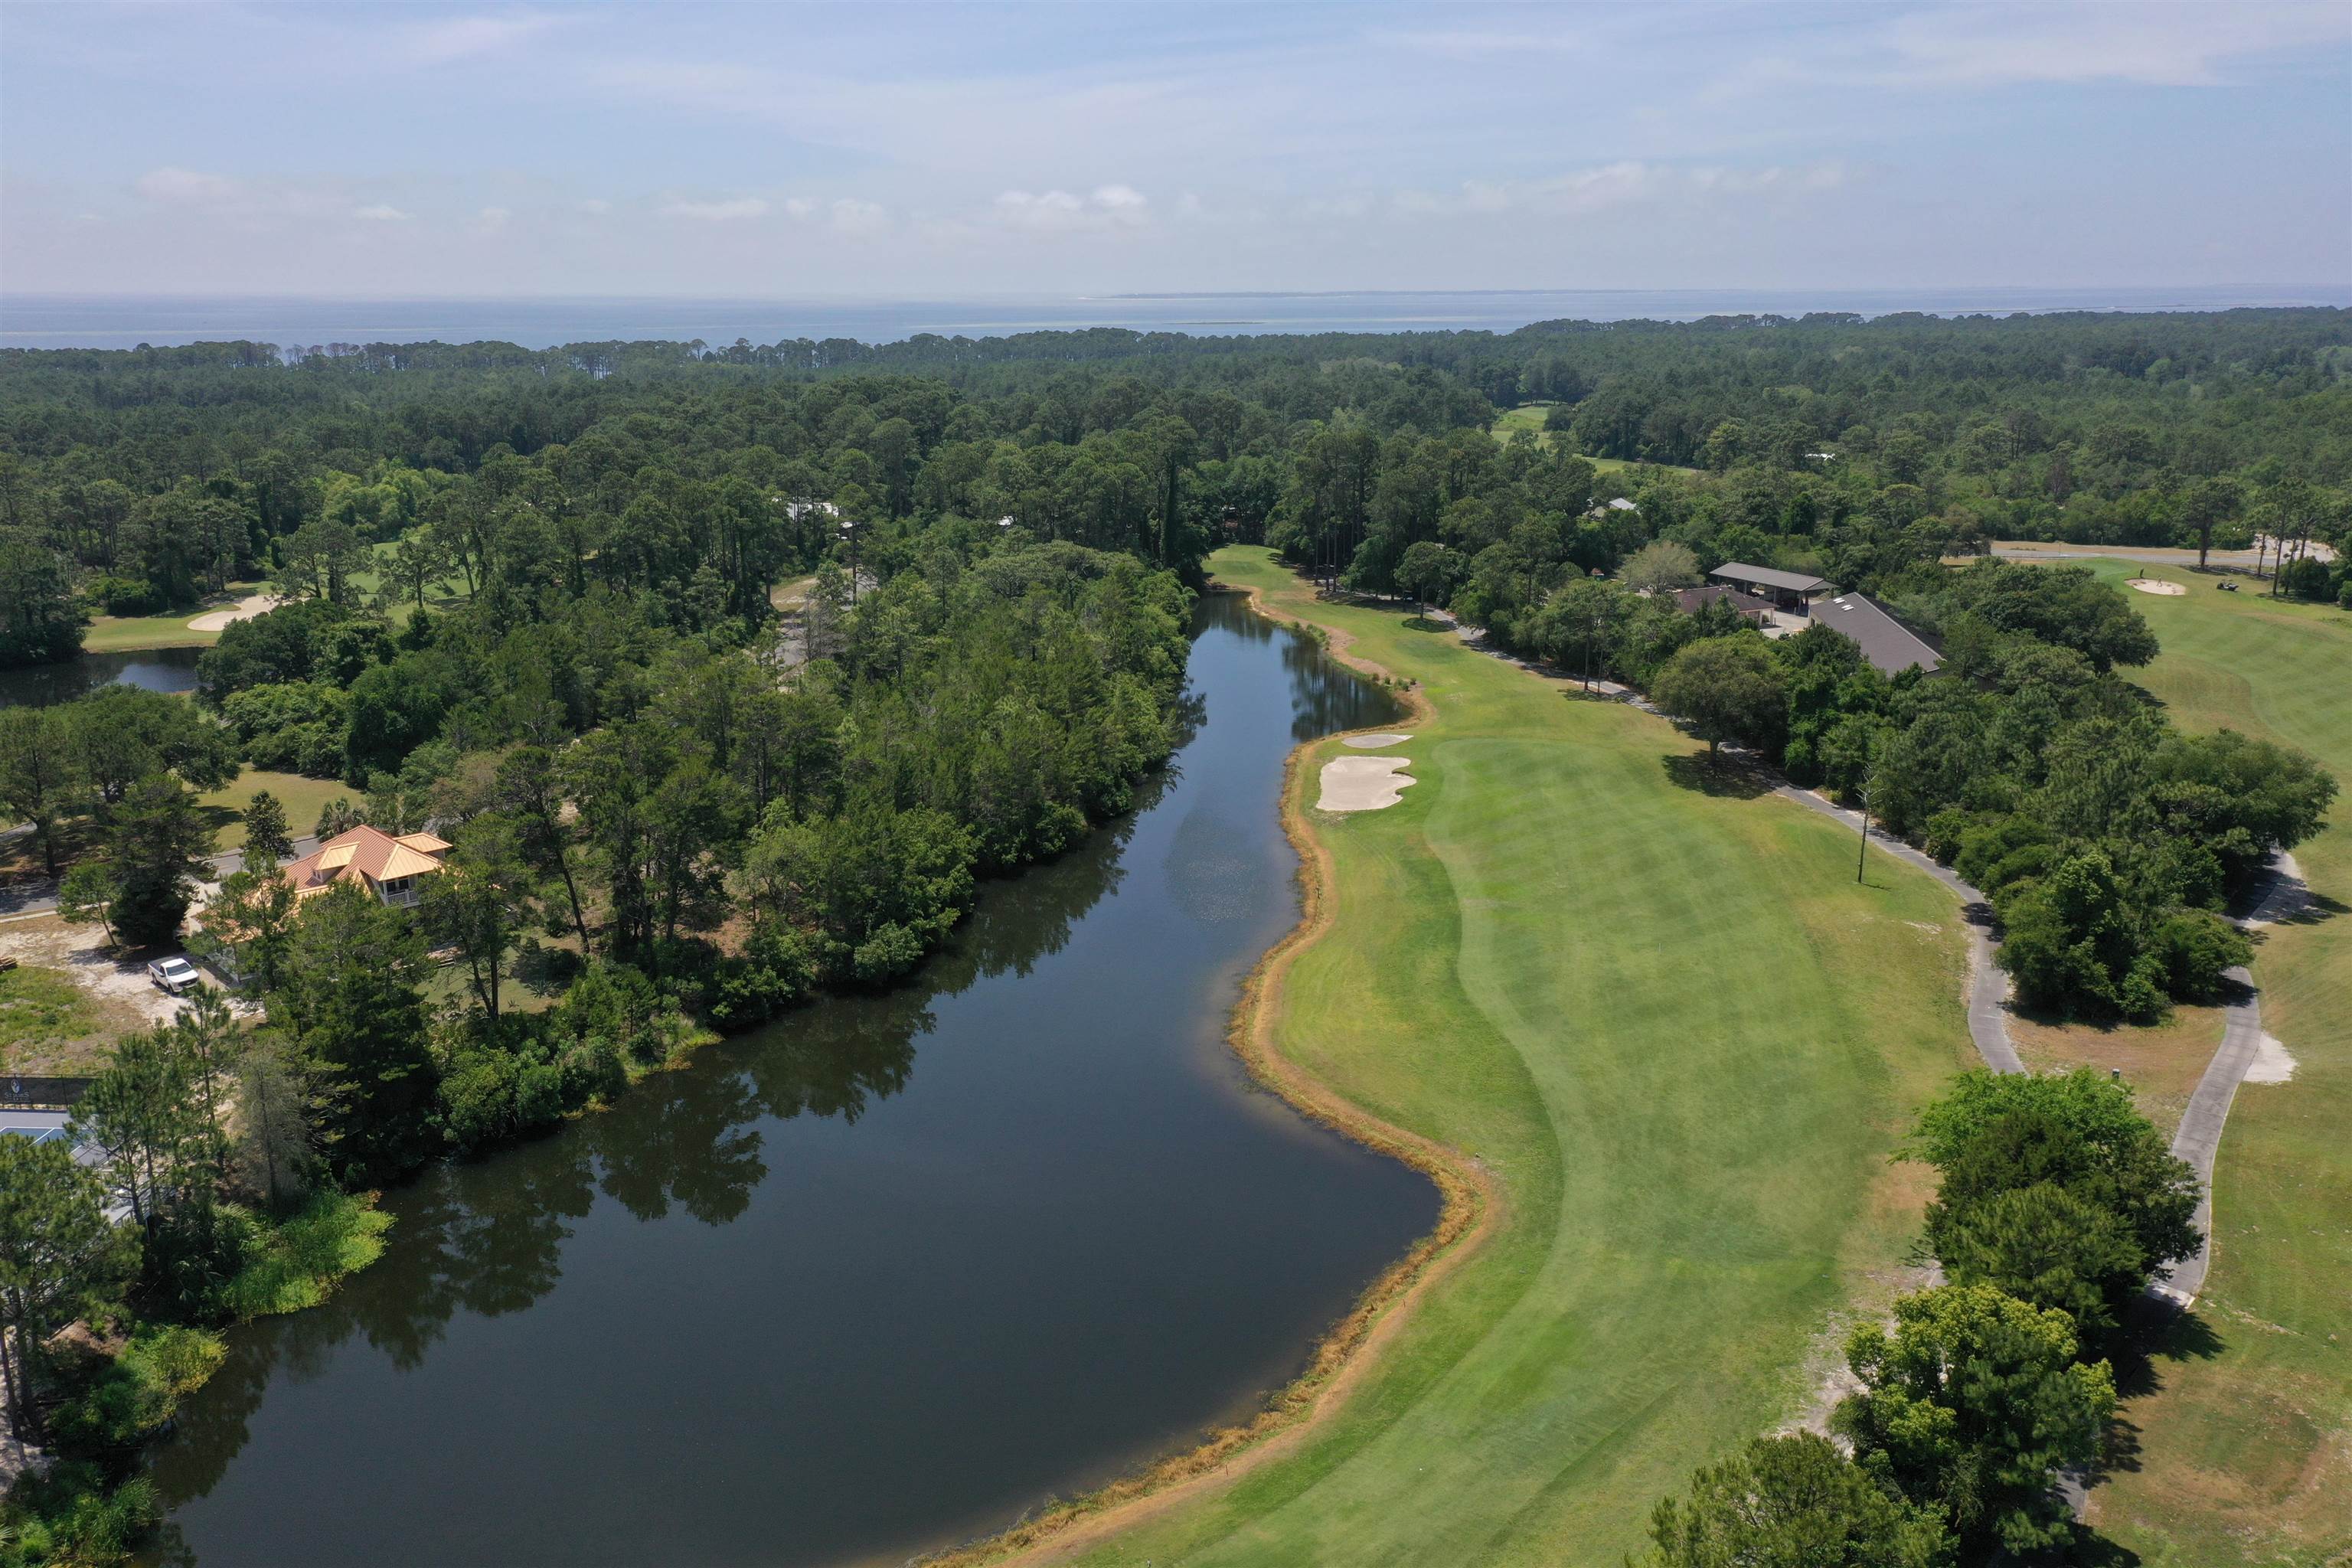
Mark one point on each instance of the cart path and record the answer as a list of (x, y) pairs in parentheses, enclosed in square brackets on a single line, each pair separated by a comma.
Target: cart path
[(1988, 987), (2198, 1139)]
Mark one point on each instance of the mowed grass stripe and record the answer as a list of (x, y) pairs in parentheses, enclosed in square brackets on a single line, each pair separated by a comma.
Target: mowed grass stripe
[(2246, 1455), (1682, 1039)]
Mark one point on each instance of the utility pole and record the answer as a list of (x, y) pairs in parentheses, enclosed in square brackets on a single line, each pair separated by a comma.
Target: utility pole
[(1863, 854)]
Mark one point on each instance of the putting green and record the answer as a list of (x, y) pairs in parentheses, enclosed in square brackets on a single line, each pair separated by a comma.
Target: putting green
[(2246, 1449), (1678, 1040)]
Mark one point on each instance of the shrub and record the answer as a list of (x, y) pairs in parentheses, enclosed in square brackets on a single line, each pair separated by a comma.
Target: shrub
[(298, 1262), (138, 1392), (1792, 1502), (2192, 952)]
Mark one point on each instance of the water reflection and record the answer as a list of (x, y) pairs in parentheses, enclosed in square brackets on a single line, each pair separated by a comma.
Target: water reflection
[(802, 1302), (156, 669)]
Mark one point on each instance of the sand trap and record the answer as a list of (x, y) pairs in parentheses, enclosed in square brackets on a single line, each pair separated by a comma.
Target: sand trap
[(252, 605), (2155, 585), (2273, 1062), (1363, 783), (1370, 743)]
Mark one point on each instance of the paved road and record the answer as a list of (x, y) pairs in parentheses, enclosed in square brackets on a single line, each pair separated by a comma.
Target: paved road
[(2243, 560), (40, 896)]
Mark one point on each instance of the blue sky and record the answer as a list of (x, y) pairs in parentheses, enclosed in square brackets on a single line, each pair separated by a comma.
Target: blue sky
[(742, 150)]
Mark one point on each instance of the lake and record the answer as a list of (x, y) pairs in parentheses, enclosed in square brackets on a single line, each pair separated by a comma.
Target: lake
[(876, 1279), (156, 670)]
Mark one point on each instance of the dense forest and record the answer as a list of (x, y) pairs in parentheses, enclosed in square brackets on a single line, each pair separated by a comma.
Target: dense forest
[(728, 673)]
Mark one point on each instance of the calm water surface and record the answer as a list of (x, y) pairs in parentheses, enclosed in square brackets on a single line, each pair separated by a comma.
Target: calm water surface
[(116, 322), (157, 669), (876, 1279)]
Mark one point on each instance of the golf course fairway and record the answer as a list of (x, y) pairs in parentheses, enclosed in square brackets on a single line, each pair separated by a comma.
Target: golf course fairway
[(2245, 1444), (1673, 1041)]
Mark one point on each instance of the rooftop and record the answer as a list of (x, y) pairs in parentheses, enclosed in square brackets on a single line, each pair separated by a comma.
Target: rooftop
[(1770, 577), (1884, 640), (368, 852)]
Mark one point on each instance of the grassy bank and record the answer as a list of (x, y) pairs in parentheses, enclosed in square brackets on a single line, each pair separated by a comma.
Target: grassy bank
[(139, 634), (1675, 1037), (2245, 1453)]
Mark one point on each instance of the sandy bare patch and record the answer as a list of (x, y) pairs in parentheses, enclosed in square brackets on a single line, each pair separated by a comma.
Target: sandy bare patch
[(1373, 742), (2272, 1063), (2155, 586), (244, 609), (46, 940), (1363, 783)]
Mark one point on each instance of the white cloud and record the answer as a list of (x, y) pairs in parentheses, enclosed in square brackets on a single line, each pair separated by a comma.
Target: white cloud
[(495, 217), (1606, 186), (2153, 44), (1060, 212), (380, 212), (719, 211), (799, 208), (1977, 48), (463, 36), (852, 217), (186, 187), (596, 206), (1472, 44)]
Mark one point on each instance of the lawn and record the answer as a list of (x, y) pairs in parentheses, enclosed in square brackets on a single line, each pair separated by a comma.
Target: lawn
[(1529, 417), (1680, 1039), (40, 1007), (2246, 1455), (132, 634), (303, 799)]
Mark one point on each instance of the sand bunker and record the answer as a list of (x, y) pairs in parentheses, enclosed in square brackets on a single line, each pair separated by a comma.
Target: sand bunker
[(252, 605), (2272, 1063), (1372, 743), (1363, 783), (2155, 585)]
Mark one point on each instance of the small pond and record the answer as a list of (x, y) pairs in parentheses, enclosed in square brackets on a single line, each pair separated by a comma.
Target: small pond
[(154, 670)]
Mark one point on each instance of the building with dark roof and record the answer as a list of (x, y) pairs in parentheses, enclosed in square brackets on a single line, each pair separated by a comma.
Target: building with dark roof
[(1750, 606), (1786, 589), (1884, 640)]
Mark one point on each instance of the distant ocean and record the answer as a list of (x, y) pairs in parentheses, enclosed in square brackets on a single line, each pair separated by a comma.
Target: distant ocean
[(28, 321)]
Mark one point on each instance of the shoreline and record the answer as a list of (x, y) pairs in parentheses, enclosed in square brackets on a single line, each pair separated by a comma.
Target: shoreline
[(1336, 1364)]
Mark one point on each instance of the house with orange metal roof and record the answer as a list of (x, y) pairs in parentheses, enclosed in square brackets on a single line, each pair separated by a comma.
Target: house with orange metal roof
[(391, 868)]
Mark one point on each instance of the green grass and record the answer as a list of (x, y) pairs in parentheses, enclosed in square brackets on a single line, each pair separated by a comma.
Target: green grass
[(2246, 1455), (134, 634), (1680, 1036), (1529, 417), (40, 1006), (302, 797)]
